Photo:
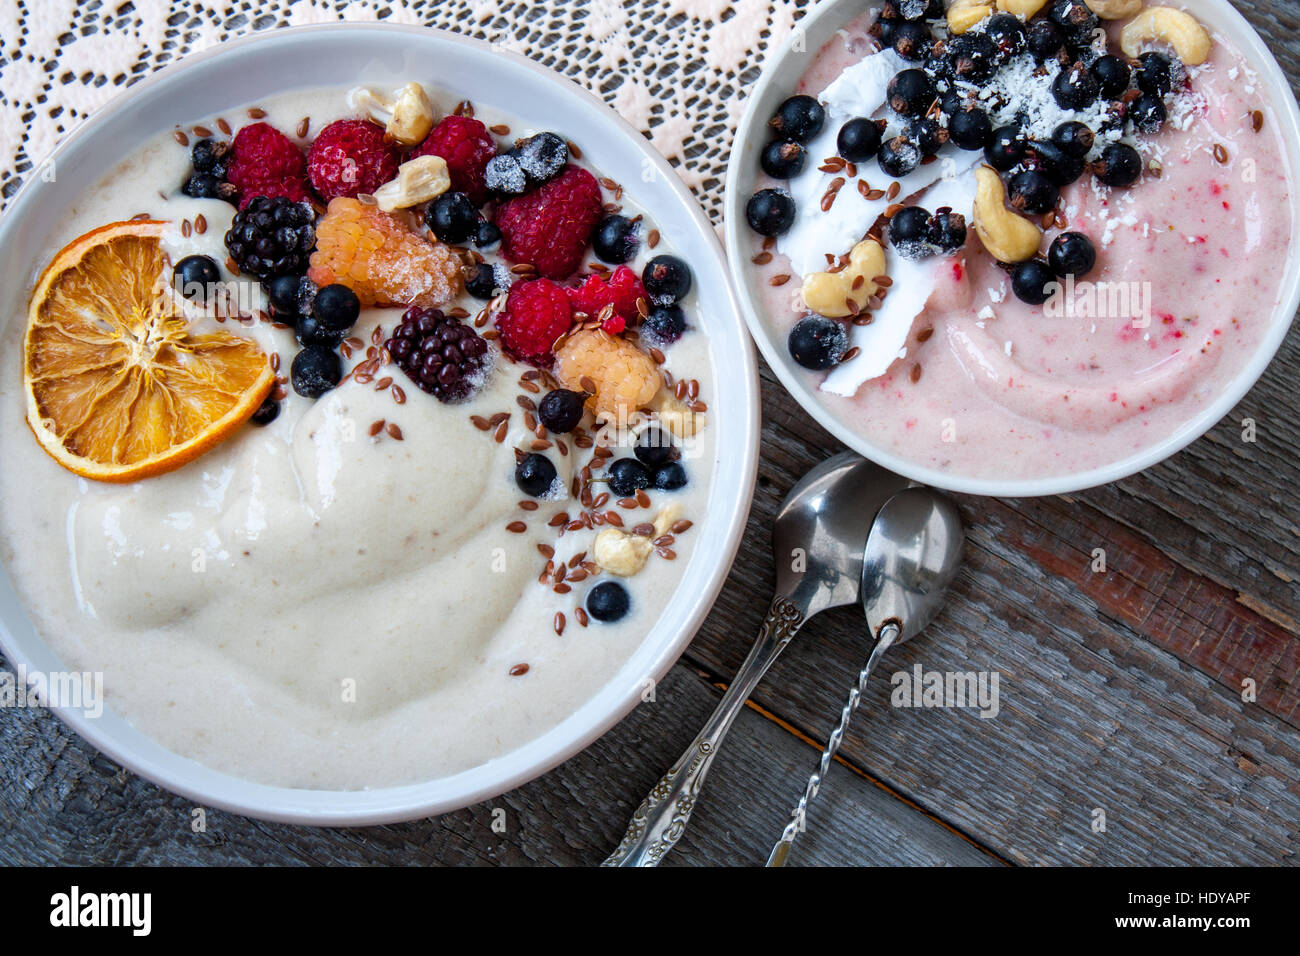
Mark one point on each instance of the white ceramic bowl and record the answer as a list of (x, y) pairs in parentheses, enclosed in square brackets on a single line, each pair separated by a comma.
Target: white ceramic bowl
[(340, 55), (777, 81)]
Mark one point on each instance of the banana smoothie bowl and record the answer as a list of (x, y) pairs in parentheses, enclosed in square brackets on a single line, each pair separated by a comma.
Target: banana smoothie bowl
[(367, 443), (1018, 247)]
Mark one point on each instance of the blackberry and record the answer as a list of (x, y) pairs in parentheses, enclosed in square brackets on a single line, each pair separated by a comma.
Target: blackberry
[(1005, 148), (1072, 253), (272, 237), (607, 601), (627, 476), (970, 129), (1074, 138), (817, 342), (453, 217), (799, 118), (561, 410), (1033, 281), (1112, 75), (1147, 113), (783, 159), (670, 477), (194, 276), (1044, 39), (1008, 36), (859, 139), (770, 212), (209, 156), (315, 370), (666, 279), (440, 354), (535, 475), (1118, 165), (615, 239), (654, 447), (1033, 192), (910, 92), (898, 157)]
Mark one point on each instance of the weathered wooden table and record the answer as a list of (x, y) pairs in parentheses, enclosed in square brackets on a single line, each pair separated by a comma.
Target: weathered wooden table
[(1121, 695)]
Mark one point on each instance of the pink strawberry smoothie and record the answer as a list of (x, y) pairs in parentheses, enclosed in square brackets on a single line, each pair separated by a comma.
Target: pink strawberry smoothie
[(1189, 268)]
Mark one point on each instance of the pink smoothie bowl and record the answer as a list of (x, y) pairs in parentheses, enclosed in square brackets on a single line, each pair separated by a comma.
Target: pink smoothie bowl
[(781, 76)]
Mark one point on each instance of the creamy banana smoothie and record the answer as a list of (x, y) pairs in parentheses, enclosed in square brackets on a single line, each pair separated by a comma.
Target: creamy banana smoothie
[(1023, 244), (355, 450)]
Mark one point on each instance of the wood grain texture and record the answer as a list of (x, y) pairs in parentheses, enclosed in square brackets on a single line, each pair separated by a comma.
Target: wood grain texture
[(1121, 693)]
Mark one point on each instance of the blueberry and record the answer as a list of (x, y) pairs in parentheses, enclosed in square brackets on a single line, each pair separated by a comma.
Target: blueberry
[(202, 186), (266, 413), (627, 476), (486, 234), (1075, 88), (970, 129), (653, 447), (607, 601), (1033, 281), (542, 157), (911, 40), (310, 330), (505, 176), (974, 57), (1155, 74), (898, 157), (1006, 147), (859, 139), (1033, 192), (926, 133), (535, 475), (1118, 165), (1044, 39), (337, 307), (561, 410), (799, 118), (910, 92), (316, 370), (782, 159), (1059, 166), (1073, 138), (909, 226), (947, 230), (452, 217), (1147, 113), (770, 212), (664, 325), (209, 155), (670, 477), (1112, 75), (194, 276), (285, 293), (666, 279), (817, 342), (481, 282), (1072, 253), (615, 239), (1008, 35)]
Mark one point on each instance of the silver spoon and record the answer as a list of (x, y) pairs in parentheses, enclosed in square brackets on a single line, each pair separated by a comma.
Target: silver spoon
[(818, 538), (913, 553)]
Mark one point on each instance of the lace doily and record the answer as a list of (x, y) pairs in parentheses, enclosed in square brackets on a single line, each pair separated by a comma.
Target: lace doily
[(677, 69)]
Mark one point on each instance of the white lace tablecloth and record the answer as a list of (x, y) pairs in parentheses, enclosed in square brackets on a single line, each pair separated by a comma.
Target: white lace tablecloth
[(677, 69)]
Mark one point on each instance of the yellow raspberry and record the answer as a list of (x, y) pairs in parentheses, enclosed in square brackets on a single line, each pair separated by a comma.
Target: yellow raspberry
[(625, 378), (375, 255)]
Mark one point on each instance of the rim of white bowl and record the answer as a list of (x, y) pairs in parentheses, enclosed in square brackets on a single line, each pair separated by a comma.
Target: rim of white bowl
[(140, 754), (741, 175)]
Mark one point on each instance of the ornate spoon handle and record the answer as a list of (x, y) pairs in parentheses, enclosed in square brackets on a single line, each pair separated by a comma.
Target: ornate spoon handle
[(888, 634), (660, 820)]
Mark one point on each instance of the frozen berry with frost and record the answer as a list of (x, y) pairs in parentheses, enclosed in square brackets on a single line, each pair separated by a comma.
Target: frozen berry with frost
[(452, 217), (537, 313), (551, 226), (627, 476), (310, 330), (615, 239), (264, 162), (315, 370), (481, 281), (663, 326), (817, 342), (535, 475), (467, 147), (561, 410), (439, 354), (542, 157), (667, 279), (670, 477), (349, 157)]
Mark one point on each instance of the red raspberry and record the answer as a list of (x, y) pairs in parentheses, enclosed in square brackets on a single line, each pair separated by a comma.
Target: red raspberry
[(351, 157), (550, 227), (621, 289), (467, 146), (537, 314), (265, 162)]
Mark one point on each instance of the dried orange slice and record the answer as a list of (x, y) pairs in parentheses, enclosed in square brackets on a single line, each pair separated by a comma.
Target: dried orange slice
[(118, 386)]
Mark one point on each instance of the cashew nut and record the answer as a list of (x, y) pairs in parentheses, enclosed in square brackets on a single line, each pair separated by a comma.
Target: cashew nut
[(676, 416), (1007, 236), (1023, 8), (624, 554), (418, 180), (837, 294), (1114, 9), (964, 14), (1180, 30), (407, 117)]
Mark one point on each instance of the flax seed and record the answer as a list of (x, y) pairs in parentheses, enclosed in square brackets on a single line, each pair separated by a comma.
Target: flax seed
[(516, 527), (383, 383), (1256, 120), (500, 435), (559, 622), (679, 526), (573, 148), (642, 499), (600, 500), (180, 137), (399, 395), (698, 407), (924, 334), (1220, 154), (394, 432), (257, 113), (668, 554), (376, 427), (561, 588), (545, 550), (186, 228), (892, 191), (663, 541), (223, 126), (769, 242), (279, 394), (779, 280), (202, 132), (915, 373), (526, 403), (500, 129), (558, 519), (581, 615), (539, 444), (498, 418), (614, 518), (652, 239), (851, 354), (528, 505), (519, 670)]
